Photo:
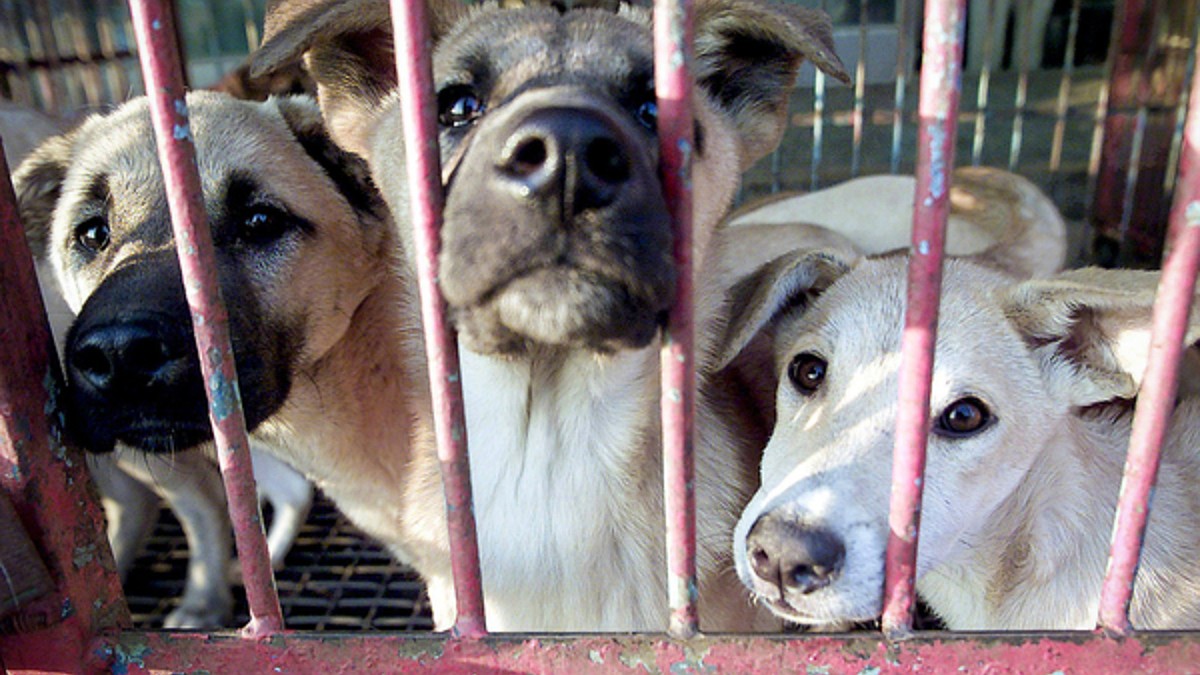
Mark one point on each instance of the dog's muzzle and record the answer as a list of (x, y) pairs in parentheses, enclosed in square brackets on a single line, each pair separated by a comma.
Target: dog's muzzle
[(556, 232), (132, 371)]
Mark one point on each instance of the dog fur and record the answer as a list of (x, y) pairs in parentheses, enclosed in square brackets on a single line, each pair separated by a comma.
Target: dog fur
[(557, 273), (1030, 415), (116, 153)]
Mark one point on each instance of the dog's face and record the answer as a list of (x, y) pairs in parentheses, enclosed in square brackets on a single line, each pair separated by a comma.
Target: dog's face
[(297, 250), (1013, 361), (555, 232)]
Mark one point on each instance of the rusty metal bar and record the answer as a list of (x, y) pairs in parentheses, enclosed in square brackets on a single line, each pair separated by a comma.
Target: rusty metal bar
[(937, 113), (1155, 401), (1157, 652), (47, 480), (673, 87), (418, 106), (162, 71)]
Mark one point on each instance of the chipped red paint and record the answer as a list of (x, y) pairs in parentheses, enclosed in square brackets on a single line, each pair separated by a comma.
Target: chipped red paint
[(45, 478), (937, 114), (163, 74), (1155, 401), (673, 87), (927, 652), (417, 105)]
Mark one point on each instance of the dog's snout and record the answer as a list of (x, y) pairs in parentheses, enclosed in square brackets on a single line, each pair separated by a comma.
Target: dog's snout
[(122, 355), (794, 557), (568, 158)]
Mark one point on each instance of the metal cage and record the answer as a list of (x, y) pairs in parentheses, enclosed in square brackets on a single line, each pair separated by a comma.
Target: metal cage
[(84, 626)]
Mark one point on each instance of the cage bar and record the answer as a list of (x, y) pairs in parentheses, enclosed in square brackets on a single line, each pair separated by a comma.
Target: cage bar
[(46, 479), (940, 88), (1155, 401), (673, 87), (163, 73), (418, 107)]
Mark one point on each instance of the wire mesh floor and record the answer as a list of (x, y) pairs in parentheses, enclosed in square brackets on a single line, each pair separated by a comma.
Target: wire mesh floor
[(335, 578)]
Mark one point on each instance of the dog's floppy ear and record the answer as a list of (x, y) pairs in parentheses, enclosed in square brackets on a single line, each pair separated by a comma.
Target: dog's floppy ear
[(38, 183), (747, 55), (1090, 330), (786, 282), (349, 172), (348, 48)]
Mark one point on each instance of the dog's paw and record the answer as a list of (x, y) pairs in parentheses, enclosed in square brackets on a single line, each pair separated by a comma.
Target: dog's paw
[(217, 614)]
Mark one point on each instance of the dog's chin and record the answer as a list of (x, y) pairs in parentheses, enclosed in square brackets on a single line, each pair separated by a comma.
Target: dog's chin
[(559, 308), (817, 617)]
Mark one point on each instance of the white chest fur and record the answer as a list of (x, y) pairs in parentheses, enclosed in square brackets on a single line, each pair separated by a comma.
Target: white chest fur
[(568, 508)]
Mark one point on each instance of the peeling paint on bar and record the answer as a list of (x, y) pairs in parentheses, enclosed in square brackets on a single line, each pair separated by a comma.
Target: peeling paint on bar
[(163, 75), (1155, 401), (673, 88), (415, 75), (46, 481), (938, 112)]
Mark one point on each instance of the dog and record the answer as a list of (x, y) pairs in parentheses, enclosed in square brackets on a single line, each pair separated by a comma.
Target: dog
[(117, 149), (555, 262), (1030, 421)]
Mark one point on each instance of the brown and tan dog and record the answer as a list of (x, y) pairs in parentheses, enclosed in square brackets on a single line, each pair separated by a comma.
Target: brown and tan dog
[(555, 261), (302, 241)]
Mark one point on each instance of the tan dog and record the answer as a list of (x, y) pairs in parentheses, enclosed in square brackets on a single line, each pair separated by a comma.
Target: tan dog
[(92, 200), (1030, 416), (555, 261)]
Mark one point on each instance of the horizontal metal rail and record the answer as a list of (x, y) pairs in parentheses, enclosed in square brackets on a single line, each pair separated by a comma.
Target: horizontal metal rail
[(321, 653)]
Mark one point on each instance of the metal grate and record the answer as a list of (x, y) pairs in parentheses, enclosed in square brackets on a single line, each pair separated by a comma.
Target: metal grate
[(335, 578)]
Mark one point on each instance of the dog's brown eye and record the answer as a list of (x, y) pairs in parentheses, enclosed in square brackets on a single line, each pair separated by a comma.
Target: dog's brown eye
[(458, 106), (93, 234), (964, 417), (807, 372)]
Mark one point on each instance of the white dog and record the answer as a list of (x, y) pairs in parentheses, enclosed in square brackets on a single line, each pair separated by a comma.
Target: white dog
[(1030, 421)]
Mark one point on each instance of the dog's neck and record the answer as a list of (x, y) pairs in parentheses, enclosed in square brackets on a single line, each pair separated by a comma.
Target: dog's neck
[(566, 469), (1042, 562)]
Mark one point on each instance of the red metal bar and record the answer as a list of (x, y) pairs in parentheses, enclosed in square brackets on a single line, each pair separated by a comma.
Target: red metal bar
[(162, 72), (418, 106), (46, 480), (937, 113), (673, 87), (1155, 401), (859, 653)]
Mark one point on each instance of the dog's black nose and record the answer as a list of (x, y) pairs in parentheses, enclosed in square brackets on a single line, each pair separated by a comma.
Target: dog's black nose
[(570, 158), (119, 357), (794, 557)]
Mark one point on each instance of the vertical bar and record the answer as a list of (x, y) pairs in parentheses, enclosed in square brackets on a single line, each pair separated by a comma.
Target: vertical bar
[(418, 107), (903, 35), (1155, 401), (985, 79), (1021, 44), (47, 481), (162, 71), (1064, 89), (937, 114), (860, 91), (673, 86)]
